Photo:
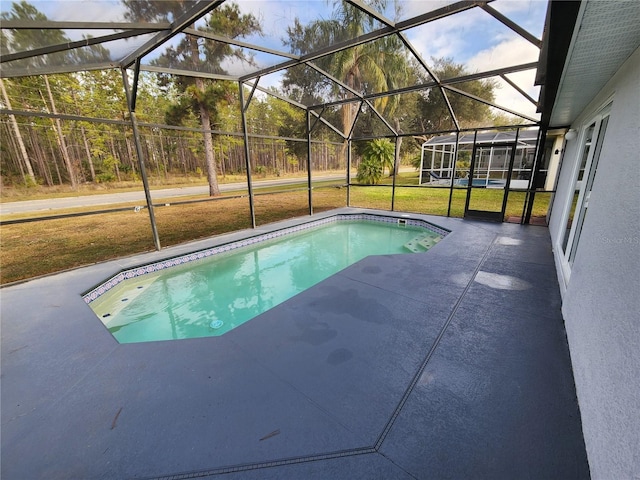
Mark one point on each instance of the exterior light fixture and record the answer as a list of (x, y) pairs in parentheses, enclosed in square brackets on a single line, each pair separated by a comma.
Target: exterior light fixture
[(570, 135)]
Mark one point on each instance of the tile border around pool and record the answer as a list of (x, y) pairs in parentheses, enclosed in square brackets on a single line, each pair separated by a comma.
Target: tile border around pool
[(104, 287)]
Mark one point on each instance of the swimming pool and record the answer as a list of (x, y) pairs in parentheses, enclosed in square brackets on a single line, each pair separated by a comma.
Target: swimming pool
[(210, 292), (481, 182)]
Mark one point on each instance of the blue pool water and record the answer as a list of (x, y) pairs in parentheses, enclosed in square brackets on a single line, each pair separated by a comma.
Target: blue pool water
[(480, 182), (211, 296)]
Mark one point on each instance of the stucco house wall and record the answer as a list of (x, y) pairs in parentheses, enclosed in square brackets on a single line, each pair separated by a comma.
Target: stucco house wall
[(601, 296)]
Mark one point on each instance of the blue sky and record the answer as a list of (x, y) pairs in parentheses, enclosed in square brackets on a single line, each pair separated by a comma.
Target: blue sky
[(473, 38), (440, 38)]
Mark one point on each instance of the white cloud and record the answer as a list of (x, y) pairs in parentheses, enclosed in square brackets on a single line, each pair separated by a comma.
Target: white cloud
[(276, 16), (481, 43), (514, 51), (530, 14), (508, 53), (516, 6), (448, 37), (412, 8), (272, 80), (83, 10)]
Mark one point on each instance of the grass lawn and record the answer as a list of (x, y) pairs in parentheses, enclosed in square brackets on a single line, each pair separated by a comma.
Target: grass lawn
[(435, 200), (38, 248)]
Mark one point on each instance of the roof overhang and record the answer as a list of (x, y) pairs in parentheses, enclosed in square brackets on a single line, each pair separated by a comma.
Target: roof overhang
[(584, 44)]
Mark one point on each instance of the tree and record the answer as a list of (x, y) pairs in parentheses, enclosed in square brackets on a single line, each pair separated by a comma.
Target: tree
[(432, 111), (291, 122), (198, 95), (371, 67), (369, 172), (377, 155), (303, 83), (19, 40), (101, 95), (29, 177)]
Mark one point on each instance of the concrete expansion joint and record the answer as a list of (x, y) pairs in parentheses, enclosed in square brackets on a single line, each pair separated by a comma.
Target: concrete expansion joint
[(433, 348), (350, 452), (269, 464)]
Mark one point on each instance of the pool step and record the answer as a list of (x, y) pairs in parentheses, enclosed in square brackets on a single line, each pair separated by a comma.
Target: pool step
[(414, 246), (430, 240), (422, 242)]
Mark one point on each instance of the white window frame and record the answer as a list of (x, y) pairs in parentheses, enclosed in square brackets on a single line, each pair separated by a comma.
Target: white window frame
[(567, 255)]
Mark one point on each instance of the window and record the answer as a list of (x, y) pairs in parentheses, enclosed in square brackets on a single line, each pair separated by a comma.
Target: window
[(592, 139), (586, 148)]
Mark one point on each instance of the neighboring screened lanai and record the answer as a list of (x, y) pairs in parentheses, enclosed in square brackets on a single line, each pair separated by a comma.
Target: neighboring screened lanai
[(339, 74), (438, 157)]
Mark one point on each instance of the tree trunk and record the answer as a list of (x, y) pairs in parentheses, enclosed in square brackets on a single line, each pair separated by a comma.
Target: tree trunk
[(88, 152), (16, 130), (35, 145), (115, 158), (16, 157), (205, 119), (61, 140), (180, 152), (164, 157), (153, 153), (55, 163), (76, 150), (129, 153), (348, 113), (222, 169), (396, 161)]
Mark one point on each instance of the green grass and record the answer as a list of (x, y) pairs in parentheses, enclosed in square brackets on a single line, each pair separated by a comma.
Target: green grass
[(38, 248), (435, 200)]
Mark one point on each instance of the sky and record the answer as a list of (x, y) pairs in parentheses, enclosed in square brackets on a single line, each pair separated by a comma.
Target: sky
[(473, 38)]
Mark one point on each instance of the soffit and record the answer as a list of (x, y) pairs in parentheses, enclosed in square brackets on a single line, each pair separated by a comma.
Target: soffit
[(607, 34)]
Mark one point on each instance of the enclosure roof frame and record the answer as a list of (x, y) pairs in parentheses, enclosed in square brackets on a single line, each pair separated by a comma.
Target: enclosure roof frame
[(185, 24)]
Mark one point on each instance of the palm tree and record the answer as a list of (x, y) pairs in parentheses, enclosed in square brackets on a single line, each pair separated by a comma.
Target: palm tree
[(377, 155), (371, 67)]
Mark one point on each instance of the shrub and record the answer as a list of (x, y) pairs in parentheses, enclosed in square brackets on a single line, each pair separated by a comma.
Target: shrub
[(369, 171), (105, 177), (377, 155)]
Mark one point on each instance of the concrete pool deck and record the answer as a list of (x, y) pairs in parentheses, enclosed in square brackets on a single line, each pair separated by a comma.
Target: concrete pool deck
[(447, 364)]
